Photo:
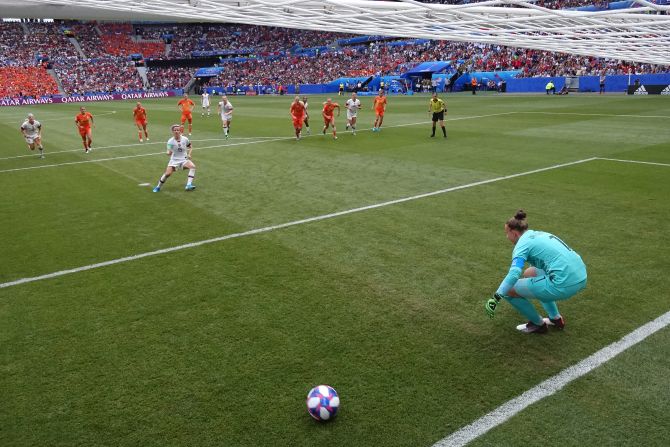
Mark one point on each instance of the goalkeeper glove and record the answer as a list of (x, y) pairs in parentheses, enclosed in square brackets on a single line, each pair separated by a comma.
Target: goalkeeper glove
[(492, 304)]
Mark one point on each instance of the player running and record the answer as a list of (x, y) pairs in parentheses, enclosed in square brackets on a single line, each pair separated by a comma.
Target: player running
[(304, 101), (225, 110), (438, 108), (84, 121), (205, 103), (379, 106), (556, 273), (352, 105), (179, 149), (140, 116), (297, 111), (328, 119), (186, 106), (32, 133)]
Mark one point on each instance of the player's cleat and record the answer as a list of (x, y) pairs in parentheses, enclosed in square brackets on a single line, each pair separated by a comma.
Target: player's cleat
[(334, 137), (532, 328), (309, 132), (374, 129), (189, 134), (432, 136), (86, 151), (226, 136), (147, 138), (189, 187), (353, 133), (347, 127), (558, 323), (42, 156), (157, 189), (324, 131), (141, 140)]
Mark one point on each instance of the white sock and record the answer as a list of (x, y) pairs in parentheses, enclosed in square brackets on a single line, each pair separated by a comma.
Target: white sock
[(191, 176)]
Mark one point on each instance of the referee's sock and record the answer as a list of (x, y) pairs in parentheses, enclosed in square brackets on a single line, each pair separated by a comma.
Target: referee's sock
[(433, 134), (444, 131)]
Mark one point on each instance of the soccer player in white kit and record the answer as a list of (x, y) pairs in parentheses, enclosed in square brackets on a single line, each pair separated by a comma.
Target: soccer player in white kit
[(32, 132), (304, 101), (179, 149), (205, 103), (225, 109), (352, 105)]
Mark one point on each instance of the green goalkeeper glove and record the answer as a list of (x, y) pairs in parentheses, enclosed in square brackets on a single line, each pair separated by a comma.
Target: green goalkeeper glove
[(492, 304)]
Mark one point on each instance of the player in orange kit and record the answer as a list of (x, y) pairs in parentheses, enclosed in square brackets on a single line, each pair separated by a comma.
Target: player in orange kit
[(328, 119), (140, 115), (186, 106), (83, 121), (297, 112), (379, 106)]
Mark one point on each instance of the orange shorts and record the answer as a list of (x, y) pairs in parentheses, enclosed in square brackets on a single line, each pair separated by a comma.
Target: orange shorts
[(186, 117), (329, 120), (83, 131), (379, 112), (297, 122), (140, 123)]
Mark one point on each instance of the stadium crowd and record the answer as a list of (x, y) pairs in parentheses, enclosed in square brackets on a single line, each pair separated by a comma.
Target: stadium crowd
[(271, 56)]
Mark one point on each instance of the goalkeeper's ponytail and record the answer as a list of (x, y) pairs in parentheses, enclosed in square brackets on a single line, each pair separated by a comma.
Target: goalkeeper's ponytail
[(518, 222)]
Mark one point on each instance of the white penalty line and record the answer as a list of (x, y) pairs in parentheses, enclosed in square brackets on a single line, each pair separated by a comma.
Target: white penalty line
[(256, 141), (640, 162), (283, 225), (149, 143), (552, 385)]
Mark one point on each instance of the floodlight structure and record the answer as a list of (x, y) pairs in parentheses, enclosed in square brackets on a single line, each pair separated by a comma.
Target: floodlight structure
[(640, 33)]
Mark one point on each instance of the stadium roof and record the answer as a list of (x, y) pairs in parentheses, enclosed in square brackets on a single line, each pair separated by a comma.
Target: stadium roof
[(638, 33)]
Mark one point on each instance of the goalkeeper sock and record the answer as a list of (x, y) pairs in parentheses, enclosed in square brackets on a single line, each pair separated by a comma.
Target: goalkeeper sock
[(552, 309), (526, 309)]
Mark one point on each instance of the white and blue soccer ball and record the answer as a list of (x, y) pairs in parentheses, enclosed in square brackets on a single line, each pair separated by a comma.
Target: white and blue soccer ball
[(323, 402)]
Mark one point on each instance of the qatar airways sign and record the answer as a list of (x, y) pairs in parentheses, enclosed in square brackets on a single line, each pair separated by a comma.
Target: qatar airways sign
[(88, 98)]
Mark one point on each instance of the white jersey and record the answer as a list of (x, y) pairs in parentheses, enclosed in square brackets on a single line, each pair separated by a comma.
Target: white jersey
[(352, 106), (179, 149), (226, 110), (305, 104), (31, 130), (205, 99)]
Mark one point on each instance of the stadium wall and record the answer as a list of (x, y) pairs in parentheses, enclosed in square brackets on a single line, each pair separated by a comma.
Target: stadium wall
[(613, 83)]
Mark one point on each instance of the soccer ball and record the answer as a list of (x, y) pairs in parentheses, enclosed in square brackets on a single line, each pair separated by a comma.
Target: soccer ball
[(323, 402)]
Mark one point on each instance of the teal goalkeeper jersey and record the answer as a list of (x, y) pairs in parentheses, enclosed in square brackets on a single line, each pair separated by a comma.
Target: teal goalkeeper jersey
[(547, 252)]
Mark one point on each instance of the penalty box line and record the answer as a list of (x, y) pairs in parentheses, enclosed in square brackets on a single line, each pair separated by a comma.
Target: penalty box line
[(283, 225), (256, 141)]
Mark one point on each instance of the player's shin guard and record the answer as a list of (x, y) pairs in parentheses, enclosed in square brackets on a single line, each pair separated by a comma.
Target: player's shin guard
[(526, 309)]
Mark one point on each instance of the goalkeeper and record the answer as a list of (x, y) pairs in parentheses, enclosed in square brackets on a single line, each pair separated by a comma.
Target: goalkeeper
[(556, 273)]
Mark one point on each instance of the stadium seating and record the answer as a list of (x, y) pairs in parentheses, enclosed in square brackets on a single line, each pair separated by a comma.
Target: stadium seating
[(252, 55)]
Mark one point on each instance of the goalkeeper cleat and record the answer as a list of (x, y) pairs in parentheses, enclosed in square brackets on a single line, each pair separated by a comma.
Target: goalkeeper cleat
[(558, 323), (532, 328)]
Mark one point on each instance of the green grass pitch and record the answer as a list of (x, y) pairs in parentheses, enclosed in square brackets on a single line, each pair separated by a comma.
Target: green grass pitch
[(217, 345)]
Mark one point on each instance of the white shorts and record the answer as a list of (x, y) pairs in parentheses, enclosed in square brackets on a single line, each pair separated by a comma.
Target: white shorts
[(30, 140), (177, 164), (351, 115), (205, 104), (226, 117)]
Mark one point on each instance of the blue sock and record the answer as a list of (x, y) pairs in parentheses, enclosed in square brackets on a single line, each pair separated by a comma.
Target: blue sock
[(526, 309), (551, 308)]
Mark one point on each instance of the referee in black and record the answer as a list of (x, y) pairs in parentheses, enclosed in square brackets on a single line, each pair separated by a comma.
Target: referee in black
[(438, 108)]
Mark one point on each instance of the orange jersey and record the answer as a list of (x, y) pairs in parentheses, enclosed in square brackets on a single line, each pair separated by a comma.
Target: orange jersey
[(298, 109), (83, 119), (380, 102), (186, 105), (140, 114), (328, 108)]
